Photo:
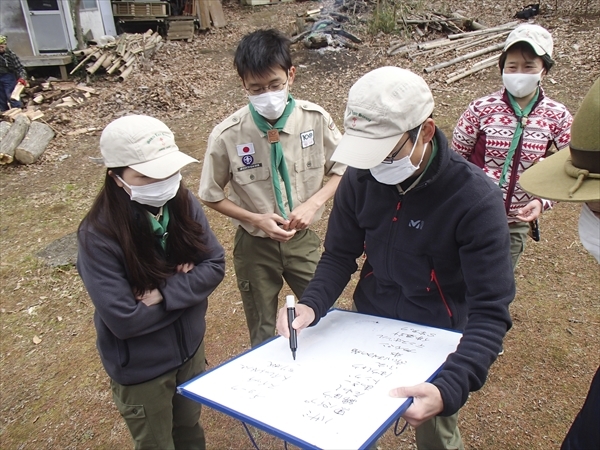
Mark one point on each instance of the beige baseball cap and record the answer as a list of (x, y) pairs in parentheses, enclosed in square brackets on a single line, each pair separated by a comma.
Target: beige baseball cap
[(382, 106), (538, 37), (142, 143)]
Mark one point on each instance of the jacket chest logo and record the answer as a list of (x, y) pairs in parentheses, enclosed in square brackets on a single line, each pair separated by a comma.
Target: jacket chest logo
[(418, 224)]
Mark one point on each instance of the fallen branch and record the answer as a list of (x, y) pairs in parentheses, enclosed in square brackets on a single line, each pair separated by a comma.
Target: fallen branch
[(506, 26), (471, 55), (475, 68)]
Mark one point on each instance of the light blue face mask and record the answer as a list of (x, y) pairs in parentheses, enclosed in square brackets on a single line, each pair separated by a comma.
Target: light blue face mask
[(155, 194), (398, 170)]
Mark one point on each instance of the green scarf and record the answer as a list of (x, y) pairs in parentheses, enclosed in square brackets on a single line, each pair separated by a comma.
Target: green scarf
[(159, 227), (278, 165), (522, 115)]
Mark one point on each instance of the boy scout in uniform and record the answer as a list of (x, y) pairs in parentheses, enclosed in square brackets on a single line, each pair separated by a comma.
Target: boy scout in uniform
[(274, 153)]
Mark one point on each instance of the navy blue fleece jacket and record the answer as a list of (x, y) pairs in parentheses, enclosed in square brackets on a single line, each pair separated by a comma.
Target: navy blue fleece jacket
[(437, 255), (137, 342)]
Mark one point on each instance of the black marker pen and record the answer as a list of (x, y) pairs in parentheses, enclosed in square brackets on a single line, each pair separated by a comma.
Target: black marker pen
[(291, 314)]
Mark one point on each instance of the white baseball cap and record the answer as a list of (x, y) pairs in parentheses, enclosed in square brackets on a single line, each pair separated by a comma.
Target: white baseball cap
[(142, 143), (382, 106), (538, 37)]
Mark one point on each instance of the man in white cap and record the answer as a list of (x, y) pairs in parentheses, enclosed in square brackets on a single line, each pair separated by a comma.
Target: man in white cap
[(432, 228), (573, 175)]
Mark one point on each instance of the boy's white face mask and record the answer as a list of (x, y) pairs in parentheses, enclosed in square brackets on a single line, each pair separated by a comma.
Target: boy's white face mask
[(269, 104), (589, 231)]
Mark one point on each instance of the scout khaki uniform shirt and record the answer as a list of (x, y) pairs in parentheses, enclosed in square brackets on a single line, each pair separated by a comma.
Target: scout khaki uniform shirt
[(239, 153)]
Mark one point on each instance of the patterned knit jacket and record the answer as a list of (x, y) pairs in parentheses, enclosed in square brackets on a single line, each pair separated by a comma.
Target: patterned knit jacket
[(484, 133)]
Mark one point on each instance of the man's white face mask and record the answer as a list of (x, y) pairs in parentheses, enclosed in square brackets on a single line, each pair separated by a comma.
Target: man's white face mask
[(395, 172), (589, 231)]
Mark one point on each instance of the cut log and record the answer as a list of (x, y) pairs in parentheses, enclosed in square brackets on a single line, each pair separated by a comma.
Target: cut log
[(35, 142), (125, 73), (34, 115), (13, 138), (4, 127), (97, 64), (16, 93), (83, 61)]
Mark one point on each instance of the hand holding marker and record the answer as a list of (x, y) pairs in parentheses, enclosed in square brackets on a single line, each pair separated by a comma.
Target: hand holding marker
[(291, 315)]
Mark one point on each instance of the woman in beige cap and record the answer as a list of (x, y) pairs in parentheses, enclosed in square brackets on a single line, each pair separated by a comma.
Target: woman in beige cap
[(510, 130), (149, 261)]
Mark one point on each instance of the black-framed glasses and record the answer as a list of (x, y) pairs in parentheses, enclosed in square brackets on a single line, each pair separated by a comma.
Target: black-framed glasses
[(273, 87), (390, 159)]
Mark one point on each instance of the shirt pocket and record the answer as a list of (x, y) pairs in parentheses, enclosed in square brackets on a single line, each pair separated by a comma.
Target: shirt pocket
[(246, 176), (309, 171)]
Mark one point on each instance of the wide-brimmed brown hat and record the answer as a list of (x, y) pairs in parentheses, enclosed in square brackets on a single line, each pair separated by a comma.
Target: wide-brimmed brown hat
[(572, 174)]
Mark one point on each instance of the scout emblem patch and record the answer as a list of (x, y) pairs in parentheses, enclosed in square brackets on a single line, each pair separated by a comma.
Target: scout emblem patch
[(245, 149), (307, 138)]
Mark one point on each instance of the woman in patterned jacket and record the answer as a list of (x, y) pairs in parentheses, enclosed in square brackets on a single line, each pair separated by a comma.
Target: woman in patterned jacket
[(510, 130)]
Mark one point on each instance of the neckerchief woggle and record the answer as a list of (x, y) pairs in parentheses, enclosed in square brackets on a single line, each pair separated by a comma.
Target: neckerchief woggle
[(278, 165), (522, 115)]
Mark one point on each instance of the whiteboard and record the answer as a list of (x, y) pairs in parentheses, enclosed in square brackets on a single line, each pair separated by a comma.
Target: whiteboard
[(335, 394)]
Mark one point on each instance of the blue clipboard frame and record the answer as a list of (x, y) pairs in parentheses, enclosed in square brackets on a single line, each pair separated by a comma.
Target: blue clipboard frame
[(281, 434)]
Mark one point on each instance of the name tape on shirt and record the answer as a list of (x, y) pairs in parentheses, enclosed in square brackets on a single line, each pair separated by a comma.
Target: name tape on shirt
[(245, 149)]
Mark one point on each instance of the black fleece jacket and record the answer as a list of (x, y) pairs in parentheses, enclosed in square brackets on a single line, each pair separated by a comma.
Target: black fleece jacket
[(137, 342), (437, 255)]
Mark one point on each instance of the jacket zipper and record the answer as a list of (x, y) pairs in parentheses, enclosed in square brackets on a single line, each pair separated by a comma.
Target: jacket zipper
[(435, 280), (181, 341)]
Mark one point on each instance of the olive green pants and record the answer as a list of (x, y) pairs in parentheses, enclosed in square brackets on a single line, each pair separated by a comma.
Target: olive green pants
[(439, 433), (157, 416), (261, 265), (518, 238)]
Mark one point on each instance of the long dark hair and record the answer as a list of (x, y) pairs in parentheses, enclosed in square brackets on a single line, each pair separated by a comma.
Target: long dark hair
[(114, 215)]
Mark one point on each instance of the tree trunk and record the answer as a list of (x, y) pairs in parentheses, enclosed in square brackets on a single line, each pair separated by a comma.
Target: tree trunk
[(13, 138), (35, 142), (78, 30)]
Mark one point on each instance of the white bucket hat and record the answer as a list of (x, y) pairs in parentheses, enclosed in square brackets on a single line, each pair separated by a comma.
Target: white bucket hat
[(142, 143), (382, 106)]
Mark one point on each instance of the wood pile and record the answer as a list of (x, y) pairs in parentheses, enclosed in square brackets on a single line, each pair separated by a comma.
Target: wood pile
[(120, 57), (42, 95), (462, 47), (23, 141)]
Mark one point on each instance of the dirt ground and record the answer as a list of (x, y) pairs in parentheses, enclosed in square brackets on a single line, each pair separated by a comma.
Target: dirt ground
[(54, 391)]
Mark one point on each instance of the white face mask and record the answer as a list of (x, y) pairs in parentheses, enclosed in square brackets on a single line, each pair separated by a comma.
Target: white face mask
[(269, 104), (589, 231), (399, 170), (521, 84), (155, 194)]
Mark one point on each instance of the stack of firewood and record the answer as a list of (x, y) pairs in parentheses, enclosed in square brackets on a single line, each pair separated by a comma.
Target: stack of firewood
[(120, 56), (463, 46)]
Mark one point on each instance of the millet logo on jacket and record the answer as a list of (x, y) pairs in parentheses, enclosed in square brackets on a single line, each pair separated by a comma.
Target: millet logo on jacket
[(418, 224)]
